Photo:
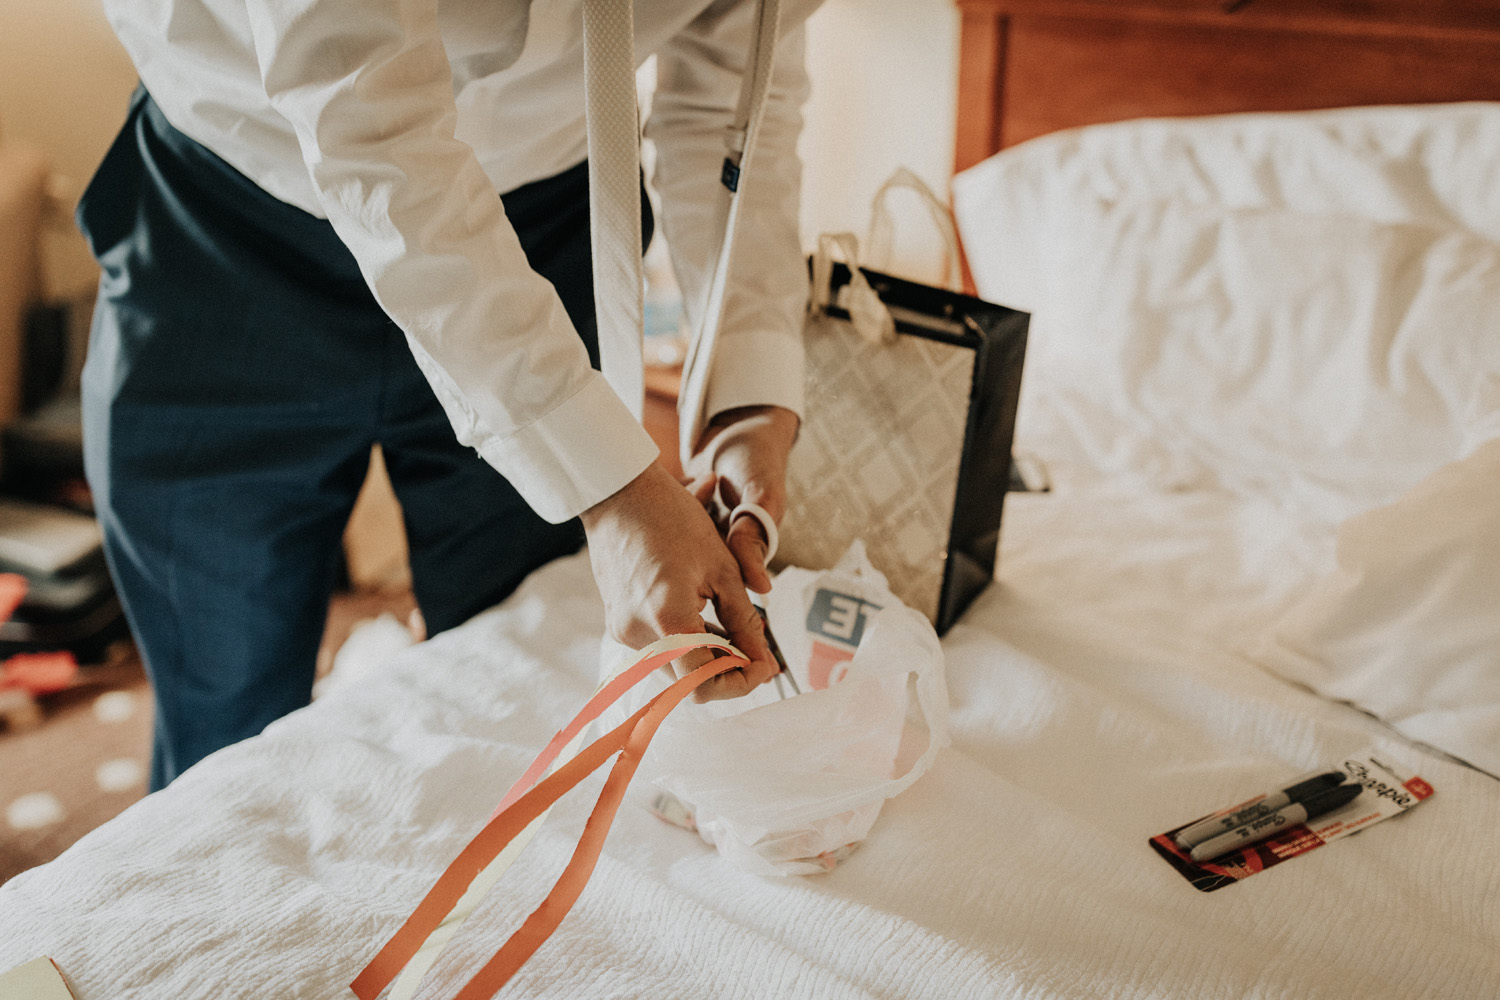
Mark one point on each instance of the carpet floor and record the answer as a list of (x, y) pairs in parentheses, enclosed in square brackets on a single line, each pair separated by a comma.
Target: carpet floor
[(81, 763), (85, 756)]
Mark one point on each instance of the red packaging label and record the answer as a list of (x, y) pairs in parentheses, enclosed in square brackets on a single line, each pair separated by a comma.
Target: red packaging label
[(1388, 791)]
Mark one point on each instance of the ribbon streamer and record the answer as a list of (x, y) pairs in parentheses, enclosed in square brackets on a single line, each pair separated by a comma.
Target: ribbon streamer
[(416, 945)]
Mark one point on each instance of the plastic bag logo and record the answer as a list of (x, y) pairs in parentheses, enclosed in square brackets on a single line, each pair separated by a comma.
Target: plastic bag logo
[(840, 618)]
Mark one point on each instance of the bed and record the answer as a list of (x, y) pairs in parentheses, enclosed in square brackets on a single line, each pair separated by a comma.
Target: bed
[(1264, 381)]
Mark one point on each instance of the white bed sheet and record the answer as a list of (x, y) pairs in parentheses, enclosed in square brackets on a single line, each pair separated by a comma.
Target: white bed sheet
[(1297, 308), (1097, 701)]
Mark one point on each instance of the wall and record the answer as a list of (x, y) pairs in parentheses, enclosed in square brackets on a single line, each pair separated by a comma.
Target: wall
[(64, 86), (885, 82)]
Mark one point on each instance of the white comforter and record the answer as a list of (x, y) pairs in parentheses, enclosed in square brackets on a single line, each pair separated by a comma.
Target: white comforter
[(1217, 389), (1097, 701)]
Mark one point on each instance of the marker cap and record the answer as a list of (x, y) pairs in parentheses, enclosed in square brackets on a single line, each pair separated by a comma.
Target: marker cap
[(1332, 799)]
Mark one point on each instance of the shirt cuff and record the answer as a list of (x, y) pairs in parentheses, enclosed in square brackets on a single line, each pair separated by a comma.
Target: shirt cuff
[(756, 368), (580, 453)]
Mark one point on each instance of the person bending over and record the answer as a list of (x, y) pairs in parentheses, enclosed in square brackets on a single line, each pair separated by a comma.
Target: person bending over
[(303, 254)]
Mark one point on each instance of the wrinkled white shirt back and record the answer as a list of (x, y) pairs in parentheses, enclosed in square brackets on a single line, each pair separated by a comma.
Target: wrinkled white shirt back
[(399, 120)]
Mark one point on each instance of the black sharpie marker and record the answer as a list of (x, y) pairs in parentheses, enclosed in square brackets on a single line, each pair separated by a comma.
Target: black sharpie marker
[(1299, 791), (1266, 826)]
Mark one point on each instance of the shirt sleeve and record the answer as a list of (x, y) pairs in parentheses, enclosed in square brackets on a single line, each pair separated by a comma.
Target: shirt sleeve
[(758, 358), (368, 88)]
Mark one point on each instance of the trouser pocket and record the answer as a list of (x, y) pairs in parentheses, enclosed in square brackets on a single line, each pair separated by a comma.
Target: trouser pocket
[(105, 213)]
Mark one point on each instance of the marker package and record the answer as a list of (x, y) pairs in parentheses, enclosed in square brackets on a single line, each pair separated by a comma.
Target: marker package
[(1388, 790)]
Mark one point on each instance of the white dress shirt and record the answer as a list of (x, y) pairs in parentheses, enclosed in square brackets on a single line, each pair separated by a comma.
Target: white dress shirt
[(399, 120)]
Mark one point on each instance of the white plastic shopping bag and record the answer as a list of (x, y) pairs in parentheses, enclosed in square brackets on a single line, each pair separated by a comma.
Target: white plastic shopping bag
[(789, 785)]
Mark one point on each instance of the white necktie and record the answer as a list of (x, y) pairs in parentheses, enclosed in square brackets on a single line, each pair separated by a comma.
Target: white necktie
[(615, 192)]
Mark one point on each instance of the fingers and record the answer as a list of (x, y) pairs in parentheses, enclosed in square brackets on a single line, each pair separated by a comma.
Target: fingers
[(688, 662), (726, 685), (748, 636), (748, 544), (729, 493), (742, 626), (703, 489), (723, 687), (658, 559), (746, 631)]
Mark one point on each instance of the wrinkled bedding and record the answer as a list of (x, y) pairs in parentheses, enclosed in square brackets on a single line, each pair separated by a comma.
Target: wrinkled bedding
[(1215, 392), (1095, 704)]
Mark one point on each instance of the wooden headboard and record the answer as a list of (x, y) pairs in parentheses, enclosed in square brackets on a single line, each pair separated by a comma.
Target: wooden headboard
[(1029, 67)]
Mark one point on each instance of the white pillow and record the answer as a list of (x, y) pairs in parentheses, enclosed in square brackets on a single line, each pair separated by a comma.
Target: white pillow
[(1407, 626), (1300, 305), (1429, 165)]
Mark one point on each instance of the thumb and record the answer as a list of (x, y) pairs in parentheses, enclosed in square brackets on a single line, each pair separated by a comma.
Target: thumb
[(747, 631), (686, 625)]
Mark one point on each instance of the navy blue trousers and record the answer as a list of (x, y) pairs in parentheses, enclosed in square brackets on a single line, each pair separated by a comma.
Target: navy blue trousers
[(239, 371)]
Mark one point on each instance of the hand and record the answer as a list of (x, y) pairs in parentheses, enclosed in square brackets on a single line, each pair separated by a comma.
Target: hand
[(658, 559), (741, 458)]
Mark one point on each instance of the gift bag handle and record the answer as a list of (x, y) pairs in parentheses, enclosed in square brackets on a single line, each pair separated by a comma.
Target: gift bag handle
[(880, 241), (867, 314)]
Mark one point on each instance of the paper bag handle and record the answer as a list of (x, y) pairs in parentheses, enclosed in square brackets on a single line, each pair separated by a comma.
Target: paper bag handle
[(879, 239), (869, 316)]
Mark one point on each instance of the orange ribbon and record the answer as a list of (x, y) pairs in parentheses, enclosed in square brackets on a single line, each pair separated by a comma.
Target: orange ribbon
[(528, 799)]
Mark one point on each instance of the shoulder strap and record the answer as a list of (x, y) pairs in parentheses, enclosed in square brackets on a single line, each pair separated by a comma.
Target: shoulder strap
[(741, 144)]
